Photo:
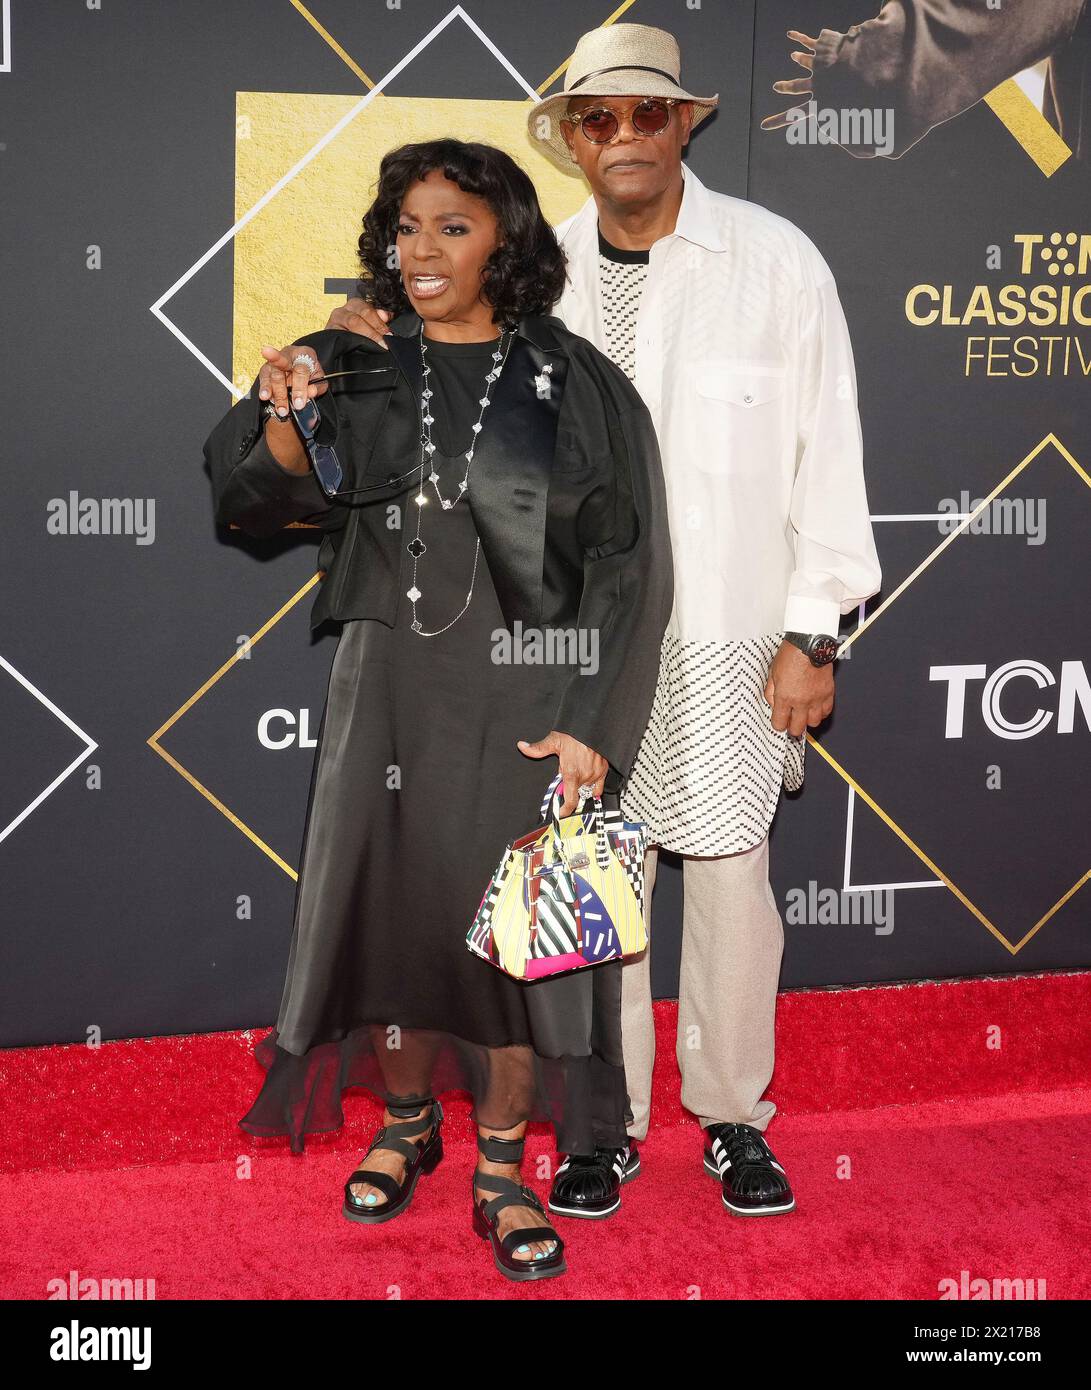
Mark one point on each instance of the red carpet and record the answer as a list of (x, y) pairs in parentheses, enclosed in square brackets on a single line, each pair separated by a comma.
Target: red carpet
[(917, 1151)]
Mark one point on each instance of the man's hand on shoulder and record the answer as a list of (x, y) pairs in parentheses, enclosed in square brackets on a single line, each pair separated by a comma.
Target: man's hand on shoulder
[(360, 317)]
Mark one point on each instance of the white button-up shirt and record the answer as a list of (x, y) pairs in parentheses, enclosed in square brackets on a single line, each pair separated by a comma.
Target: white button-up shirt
[(744, 361)]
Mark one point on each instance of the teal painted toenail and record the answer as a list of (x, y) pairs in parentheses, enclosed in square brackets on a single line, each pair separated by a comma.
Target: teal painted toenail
[(370, 1199), (522, 1249), (540, 1255)]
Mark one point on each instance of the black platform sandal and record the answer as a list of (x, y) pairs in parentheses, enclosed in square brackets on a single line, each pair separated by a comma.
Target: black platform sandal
[(512, 1194), (421, 1155)]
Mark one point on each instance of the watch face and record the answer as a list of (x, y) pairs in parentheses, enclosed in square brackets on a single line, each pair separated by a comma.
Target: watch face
[(823, 650)]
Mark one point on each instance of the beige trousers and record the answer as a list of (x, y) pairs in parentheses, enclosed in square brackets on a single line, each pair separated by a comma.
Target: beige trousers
[(732, 944)]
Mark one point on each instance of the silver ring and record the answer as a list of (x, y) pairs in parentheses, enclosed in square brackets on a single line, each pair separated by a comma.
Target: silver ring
[(587, 789), (305, 357)]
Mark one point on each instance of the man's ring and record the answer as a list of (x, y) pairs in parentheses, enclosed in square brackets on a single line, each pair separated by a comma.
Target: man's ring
[(304, 359)]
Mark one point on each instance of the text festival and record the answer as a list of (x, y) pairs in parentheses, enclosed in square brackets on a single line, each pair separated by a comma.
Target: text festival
[(1060, 299)]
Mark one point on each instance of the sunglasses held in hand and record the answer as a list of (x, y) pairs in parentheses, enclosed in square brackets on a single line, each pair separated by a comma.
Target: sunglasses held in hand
[(323, 457)]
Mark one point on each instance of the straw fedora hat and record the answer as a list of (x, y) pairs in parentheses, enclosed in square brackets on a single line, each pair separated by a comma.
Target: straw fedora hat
[(615, 60)]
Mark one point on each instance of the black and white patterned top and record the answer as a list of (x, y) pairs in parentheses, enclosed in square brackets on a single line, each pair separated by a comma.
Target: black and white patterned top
[(622, 275), (709, 772)]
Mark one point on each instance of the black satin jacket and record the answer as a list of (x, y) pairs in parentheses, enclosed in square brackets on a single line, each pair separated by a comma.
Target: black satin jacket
[(567, 496)]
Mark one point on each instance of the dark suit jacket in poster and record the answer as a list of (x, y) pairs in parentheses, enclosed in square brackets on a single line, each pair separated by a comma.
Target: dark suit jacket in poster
[(566, 492)]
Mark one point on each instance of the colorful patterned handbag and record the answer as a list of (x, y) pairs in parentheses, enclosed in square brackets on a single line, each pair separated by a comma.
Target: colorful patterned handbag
[(565, 896)]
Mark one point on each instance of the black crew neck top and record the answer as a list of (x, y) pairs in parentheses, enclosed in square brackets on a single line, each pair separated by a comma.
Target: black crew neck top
[(619, 253), (444, 348), (458, 382)]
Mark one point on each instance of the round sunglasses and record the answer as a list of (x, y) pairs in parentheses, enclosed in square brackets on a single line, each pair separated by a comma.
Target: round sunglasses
[(600, 123)]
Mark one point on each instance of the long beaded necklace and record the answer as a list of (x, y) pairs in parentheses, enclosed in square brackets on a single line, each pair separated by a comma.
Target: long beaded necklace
[(416, 546)]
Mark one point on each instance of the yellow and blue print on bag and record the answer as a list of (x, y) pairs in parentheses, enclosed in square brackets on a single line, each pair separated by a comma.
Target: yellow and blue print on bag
[(565, 896)]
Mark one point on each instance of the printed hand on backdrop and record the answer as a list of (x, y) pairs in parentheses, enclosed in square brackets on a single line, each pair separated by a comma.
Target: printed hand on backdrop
[(794, 86), (799, 693)]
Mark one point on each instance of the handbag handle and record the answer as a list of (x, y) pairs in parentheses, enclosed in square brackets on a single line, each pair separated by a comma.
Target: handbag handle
[(553, 795)]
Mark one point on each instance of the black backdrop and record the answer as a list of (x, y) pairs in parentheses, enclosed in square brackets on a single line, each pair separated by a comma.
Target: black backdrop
[(148, 880)]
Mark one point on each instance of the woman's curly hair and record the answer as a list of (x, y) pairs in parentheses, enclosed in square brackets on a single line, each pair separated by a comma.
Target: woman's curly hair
[(524, 275)]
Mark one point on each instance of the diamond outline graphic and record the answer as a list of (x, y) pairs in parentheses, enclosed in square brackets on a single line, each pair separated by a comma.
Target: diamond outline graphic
[(199, 694), (457, 12), (66, 772), (888, 820)]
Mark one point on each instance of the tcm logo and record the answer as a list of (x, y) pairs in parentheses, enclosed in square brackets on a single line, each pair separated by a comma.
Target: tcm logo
[(1072, 688)]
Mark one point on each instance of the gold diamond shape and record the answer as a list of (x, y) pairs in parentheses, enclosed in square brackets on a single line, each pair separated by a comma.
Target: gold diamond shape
[(209, 796), (1013, 947)]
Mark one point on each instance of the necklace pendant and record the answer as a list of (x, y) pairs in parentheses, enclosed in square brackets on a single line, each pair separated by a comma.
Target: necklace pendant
[(416, 546)]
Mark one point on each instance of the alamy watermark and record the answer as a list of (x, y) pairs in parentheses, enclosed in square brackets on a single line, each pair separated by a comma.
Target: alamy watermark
[(1004, 516), (851, 907), (547, 646), (101, 516), (870, 127), (966, 1287)]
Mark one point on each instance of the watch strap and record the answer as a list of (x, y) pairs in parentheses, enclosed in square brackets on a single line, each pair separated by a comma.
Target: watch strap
[(809, 642)]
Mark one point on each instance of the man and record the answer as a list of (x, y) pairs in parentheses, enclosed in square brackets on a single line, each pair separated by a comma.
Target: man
[(727, 319)]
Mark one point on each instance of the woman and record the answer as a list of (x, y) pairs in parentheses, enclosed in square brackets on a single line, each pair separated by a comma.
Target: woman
[(494, 473)]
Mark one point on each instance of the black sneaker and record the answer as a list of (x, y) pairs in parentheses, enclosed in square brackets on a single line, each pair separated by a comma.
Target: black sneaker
[(754, 1183), (591, 1187)]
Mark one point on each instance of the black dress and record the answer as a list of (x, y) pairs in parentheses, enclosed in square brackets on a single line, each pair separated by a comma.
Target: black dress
[(417, 788)]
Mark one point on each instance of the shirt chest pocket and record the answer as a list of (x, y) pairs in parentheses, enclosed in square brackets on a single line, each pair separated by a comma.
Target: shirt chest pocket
[(739, 415)]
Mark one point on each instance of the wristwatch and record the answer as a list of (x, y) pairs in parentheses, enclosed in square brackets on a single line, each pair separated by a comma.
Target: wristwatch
[(818, 647)]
